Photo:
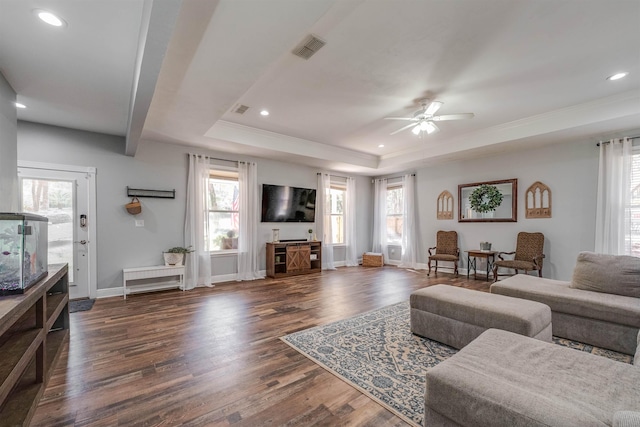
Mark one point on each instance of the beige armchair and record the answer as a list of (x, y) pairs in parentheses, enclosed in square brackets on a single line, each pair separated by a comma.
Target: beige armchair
[(446, 249), (527, 256)]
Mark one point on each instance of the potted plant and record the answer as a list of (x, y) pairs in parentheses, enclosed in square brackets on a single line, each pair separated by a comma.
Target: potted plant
[(231, 241), (310, 231), (174, 257)]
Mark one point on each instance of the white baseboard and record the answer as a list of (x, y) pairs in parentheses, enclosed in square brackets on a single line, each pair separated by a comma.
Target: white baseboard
[(109, 292), (117, 292)]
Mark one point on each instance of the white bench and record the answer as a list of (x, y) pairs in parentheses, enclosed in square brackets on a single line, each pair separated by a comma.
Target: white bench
[(156, 271)]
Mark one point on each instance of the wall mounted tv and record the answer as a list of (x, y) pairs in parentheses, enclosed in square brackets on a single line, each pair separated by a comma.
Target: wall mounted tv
[(288, 204)]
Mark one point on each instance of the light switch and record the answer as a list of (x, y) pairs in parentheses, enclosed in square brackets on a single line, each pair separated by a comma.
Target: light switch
[(139, 222)]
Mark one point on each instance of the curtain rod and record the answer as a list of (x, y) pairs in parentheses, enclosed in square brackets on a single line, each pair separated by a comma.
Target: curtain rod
[(217, 158), (393, 177), (607, 142), (337, 176)]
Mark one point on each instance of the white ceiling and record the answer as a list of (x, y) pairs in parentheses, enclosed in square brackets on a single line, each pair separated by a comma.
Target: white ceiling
[(533, 72)]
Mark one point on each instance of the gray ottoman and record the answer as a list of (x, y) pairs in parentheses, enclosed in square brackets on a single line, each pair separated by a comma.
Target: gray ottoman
[(456, 316)]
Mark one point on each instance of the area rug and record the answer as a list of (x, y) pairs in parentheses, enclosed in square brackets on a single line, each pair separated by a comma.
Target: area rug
[(376, 353), (81, 305)]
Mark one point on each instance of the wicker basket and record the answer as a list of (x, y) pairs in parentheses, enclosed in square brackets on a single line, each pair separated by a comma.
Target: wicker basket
[(134, 208), (371, 259)]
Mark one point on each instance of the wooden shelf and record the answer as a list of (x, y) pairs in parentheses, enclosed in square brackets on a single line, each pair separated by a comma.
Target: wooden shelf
[(55, 304), (28, 344), (17, 352), (20, 406), (292, 258)]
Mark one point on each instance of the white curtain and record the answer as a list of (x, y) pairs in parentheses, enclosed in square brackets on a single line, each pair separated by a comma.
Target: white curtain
[(351, 258), (380, 217), (323, 219), (613, 202), (196, 231), (409, 232), (248, 206)]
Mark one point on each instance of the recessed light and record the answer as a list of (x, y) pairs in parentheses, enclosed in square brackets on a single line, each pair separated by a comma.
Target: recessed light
[(381, 146), (617, 76), (264, 113), (19, 105), (50, 18)]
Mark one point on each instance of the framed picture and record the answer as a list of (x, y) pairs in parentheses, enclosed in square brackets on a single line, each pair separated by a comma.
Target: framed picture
[(489, 201)]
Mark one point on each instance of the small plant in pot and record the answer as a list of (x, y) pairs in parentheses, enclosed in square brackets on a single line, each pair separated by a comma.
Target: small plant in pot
[(174, 257)]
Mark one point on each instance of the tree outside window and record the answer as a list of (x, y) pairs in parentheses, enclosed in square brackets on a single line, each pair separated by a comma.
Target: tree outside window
[(394, 214), (337, 196), (223, 212)]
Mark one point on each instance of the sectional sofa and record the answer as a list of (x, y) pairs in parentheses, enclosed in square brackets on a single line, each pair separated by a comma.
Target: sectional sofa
[(507, 379)]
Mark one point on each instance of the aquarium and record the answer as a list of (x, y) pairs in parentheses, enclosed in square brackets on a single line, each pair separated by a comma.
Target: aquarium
[(23, 251)]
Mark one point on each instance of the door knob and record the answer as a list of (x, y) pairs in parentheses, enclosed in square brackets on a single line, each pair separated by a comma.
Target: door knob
[(82, 242)]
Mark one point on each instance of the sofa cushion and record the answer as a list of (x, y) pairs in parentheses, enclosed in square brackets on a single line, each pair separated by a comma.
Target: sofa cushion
[(562, 298), (502, 378), (636, 358), (611, 274)]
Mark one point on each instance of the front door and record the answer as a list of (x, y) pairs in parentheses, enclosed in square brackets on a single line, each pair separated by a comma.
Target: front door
[(63, 196)]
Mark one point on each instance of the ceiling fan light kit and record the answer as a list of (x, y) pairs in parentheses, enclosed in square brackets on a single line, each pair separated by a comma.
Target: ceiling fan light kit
[(422, 120)]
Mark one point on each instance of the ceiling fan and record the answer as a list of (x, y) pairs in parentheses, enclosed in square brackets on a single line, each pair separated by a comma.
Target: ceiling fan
[(423, 119)]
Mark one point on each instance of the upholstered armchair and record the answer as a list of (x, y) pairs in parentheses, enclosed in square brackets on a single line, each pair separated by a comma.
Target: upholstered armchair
[(446, 249), (527, 256)]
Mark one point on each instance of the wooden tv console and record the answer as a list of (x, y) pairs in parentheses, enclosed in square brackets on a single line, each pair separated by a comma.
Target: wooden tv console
[(34, 328), (291, 258)]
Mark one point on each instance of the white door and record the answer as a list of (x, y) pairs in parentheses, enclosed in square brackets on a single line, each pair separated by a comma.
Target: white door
[(66, 196)]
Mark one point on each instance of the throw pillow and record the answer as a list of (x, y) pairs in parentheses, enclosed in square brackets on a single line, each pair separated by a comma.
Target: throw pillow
[(611, 274)]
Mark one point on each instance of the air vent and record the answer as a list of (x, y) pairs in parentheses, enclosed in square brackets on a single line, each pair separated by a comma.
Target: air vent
[(309, 47), (240, 109)]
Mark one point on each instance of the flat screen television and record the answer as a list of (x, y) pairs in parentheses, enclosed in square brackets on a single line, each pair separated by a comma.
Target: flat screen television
[(282, 203)]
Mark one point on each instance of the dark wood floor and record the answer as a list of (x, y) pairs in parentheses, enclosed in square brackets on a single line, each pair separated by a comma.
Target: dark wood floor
[(211, 356)]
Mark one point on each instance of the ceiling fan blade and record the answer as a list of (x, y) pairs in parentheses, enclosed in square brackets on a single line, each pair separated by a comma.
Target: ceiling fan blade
[(403, 128), (432, 108), (452, 117), (399, 118), (436, 129)]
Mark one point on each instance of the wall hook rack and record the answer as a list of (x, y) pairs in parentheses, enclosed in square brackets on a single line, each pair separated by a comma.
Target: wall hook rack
[(158, 194)]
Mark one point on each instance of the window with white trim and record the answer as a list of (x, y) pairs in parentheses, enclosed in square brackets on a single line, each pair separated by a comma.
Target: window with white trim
[(337, 195), (223, 213), (634, 230), (395, 207)]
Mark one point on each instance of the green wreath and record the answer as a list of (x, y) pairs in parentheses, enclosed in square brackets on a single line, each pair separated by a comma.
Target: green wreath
[(485, 198)]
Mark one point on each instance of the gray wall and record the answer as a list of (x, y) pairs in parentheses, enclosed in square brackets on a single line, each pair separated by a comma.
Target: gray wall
[(8, 148), (164, 167), (569, 169)]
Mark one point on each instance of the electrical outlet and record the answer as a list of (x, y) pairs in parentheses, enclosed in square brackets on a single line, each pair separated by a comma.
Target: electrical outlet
[(139, 222)]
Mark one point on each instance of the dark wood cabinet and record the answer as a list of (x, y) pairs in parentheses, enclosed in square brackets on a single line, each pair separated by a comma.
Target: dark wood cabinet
[(289, 258), (34, 327)]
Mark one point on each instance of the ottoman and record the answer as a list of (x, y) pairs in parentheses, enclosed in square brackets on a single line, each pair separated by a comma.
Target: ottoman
[(456, 316)]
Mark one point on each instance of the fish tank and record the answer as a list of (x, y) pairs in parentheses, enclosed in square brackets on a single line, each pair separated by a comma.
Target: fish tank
[(23, 251)]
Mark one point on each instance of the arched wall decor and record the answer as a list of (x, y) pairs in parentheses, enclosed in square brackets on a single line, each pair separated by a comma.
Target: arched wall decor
[(537, 200), (445, 205)]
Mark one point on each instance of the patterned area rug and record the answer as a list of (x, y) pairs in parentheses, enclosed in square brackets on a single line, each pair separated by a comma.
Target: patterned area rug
[(377, 353)]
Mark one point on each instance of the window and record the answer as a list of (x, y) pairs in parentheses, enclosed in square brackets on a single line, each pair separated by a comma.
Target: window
[(222, 210), (337, 195), (634, 230), (395, 205)]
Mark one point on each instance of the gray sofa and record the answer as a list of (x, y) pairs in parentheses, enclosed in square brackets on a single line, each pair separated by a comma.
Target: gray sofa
[(599, 306), (506, 379)]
